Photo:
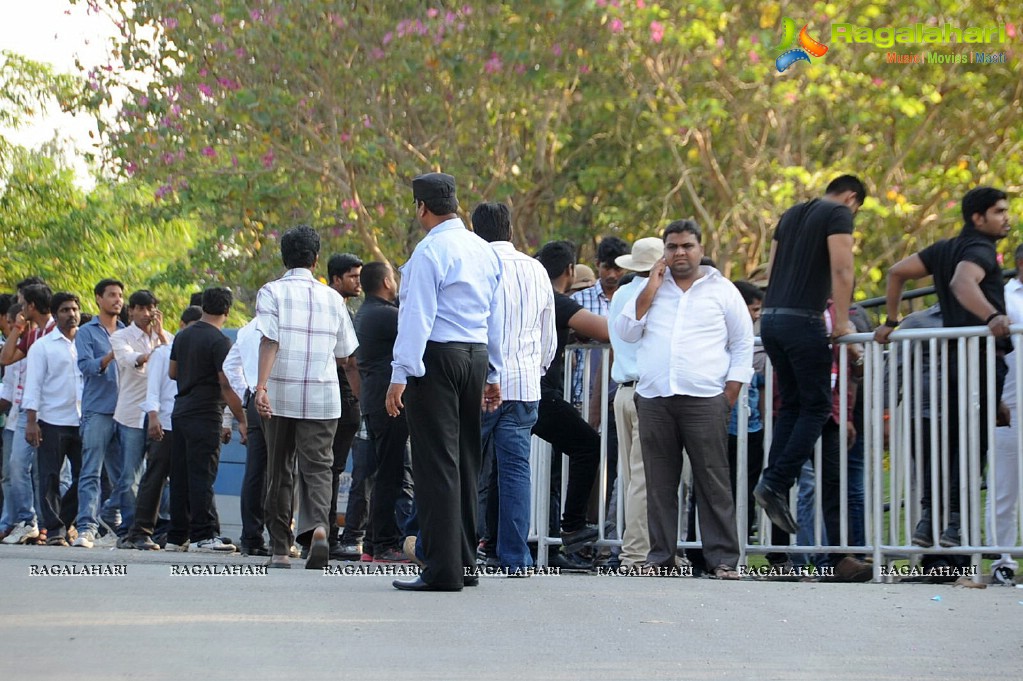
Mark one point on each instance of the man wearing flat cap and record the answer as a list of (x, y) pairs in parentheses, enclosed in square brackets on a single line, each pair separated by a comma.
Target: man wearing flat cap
[(447, 362)]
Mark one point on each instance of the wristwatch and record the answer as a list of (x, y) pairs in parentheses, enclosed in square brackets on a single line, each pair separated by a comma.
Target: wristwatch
[(891, 323)]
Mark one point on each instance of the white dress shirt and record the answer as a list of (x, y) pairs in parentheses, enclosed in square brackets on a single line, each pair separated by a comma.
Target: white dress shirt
[(450, 293), (625, 366), (160, 387), (1014, 309), (129, 344), (241, 366), (312, 328), (528, 337), (53, 383), (691, 342)]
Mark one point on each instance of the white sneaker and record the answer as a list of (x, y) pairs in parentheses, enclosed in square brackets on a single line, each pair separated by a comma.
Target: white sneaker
[(213, 545), (21, 533), (175, 548), (85, 540)]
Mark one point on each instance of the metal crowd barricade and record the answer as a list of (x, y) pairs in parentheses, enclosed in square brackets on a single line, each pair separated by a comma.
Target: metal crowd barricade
[(893, 398)]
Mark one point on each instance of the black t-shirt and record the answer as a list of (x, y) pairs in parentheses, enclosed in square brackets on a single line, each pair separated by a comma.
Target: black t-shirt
[(552, 383), (199, 352), (376, 326), (941, 260), (801, 273)]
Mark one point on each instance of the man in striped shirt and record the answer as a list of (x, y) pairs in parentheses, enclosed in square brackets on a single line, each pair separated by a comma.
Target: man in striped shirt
[(528, 345)]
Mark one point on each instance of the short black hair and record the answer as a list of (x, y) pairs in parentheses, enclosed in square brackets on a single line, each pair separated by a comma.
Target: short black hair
[(610, 247), (60, 298), (192, 313), (708, 261), (196, 299), (556, 256), (680, 226), (299, 247), (39, 295), (373, 275), (749, 291), (6, 300), (14, 310), (979, 199), (442, 206), (847, 183), (1019, 253), (100, 288), (142, 298), (492, 222), (217, 300), (29, 281), (340, 263)]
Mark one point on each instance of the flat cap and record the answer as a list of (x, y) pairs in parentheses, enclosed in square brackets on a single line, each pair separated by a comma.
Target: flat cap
[(433, 186)]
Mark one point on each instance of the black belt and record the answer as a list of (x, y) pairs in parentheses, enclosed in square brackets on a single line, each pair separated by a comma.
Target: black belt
[(792, 312), (627, 384), (456, 345)]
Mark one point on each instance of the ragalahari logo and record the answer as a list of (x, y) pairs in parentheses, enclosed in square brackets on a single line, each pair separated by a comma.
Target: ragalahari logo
[(807, 46)]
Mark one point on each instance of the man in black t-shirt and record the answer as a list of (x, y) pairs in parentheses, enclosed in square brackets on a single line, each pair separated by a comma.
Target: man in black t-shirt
[(811, 261), (197, 364), (558, 422), (968, 281)]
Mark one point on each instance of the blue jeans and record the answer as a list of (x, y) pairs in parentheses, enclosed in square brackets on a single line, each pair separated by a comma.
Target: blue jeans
[(23, 476), (99, 450), (7, 515), (799, 351), (510, 426), (805, 515), (125, 487)]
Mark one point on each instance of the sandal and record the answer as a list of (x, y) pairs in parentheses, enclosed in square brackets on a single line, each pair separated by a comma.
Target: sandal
[(725, 572)]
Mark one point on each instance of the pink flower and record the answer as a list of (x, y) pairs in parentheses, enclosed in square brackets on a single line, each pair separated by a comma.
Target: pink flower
[(432, 13), (217, 19), (601, 3), (175, 110), (131, 168), (616, 26), (466, 10), (228, 83), (656, 31), (381, 211), (449, 18), (234, 161), (494, 64), (556, 50), (345, 137), (162, 191), (388, 37), (366, 122), (167, 158), (170, 23), (256, 15), (203, 72), (520, 69), (754, 57), (268, 159), (377, 53), (640, 4), (721, 42), (143, 101), (1010, 30), (209, 152), (584, 69), (877, 82), (205, 89), (240, 53)]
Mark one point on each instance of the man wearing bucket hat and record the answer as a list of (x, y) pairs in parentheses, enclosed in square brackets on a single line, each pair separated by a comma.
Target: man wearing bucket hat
[(625, 372)]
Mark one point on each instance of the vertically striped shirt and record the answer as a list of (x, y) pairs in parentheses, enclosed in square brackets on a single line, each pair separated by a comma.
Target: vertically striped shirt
[(529, 341), (311, 326)]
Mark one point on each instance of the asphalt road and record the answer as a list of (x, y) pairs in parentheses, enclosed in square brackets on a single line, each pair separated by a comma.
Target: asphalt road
[(150, 623)]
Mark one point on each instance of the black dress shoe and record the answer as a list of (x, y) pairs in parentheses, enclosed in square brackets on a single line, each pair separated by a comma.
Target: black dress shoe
[(471, 581), (777, 507), (417, 584), (255, 551), (319, 551)]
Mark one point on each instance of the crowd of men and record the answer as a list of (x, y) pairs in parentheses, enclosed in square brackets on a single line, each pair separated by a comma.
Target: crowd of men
[(448, 375)]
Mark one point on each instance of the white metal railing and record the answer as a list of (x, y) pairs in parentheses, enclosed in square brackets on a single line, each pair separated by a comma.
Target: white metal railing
[(894, 402)]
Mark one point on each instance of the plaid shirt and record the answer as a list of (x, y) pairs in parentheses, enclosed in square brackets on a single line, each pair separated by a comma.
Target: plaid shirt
[(593, 300), (309, 322)]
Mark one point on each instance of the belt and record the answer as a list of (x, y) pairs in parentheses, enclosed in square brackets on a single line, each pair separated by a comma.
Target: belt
[(792, 312), (627, 384), (456, 345)]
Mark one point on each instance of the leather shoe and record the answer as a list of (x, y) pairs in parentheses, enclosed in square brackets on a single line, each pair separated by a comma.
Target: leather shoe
[(417, 584), (471, 580), (319, 550), (777, 507)]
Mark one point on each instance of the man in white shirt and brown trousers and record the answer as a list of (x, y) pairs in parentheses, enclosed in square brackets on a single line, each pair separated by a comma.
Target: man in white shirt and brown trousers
[(306, 333), (695, 324)]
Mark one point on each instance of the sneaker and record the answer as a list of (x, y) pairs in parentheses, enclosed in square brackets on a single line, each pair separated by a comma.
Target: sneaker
[(22, 533), (56, 541), (86, 540), (349, 552), (570, 562), (391, 555), (577, 539), (176, 548), (408, 547), (950, 535), (1003, 575), (922, 535), (212, 545)]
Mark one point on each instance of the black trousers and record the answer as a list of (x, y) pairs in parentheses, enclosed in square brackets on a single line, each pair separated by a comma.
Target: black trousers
[(254, 481), (59, 442), (559, 423), (443, 412), (195, 459), (389, 438), (344, 436), (147, 501)]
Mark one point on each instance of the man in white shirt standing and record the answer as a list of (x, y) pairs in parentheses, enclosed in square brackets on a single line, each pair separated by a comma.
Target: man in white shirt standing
[(133, 346), (528, 345), (158, 406), (306, 335), (53, 406), (695, 351), (1002, 525)]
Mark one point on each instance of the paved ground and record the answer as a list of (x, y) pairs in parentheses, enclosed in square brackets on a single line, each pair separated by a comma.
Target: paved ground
[(151, 624)]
